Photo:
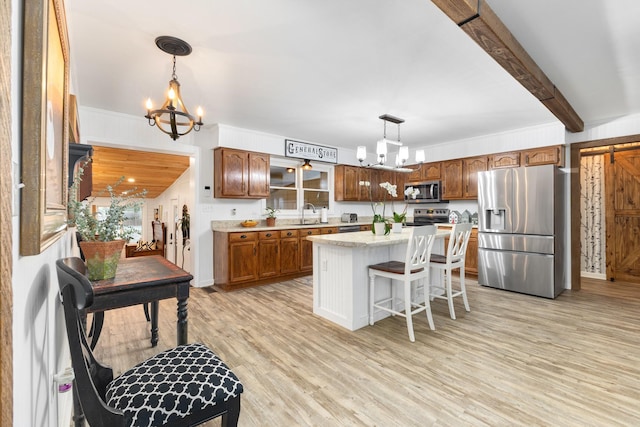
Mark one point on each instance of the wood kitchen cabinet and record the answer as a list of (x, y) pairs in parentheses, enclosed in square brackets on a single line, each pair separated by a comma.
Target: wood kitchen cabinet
[(240, 174), (243, 261), (470, 168), (553, 155), (346, 180), (383, 175), (352, 183), (289, 251), (424, 172), (451, 179), (510, 159), (268, 254), (256, 258), (306, 248), (471, 256)]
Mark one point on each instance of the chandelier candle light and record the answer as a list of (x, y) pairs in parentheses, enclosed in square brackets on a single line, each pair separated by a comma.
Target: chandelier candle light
[(382, 153), (173, 118)]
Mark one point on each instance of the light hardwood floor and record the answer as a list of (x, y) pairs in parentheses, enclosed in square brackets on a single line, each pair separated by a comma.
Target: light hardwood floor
[(513, 360)]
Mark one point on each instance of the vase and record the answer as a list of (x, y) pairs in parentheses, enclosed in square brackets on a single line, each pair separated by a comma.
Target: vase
[(396, 227), (378, 228), (102, 258), (271, 222)]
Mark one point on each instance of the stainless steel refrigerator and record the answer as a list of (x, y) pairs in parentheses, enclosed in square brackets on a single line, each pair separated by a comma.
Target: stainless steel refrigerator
[(520, 230)]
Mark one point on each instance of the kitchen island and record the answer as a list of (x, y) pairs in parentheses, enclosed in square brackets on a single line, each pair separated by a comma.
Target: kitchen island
[(340, 272)]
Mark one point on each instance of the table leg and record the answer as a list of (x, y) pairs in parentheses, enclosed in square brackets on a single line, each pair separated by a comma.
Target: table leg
[(96, 327), (182, 321), (154, 323)]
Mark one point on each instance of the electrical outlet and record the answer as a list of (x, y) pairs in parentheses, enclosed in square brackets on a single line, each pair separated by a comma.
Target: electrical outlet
[(233, 211)]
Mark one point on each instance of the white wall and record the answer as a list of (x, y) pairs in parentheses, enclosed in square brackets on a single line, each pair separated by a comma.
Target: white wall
[(39, 338), (181, 192)]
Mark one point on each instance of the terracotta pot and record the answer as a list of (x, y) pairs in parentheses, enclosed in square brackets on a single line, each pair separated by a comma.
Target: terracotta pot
[(271, 222), (102, 258)]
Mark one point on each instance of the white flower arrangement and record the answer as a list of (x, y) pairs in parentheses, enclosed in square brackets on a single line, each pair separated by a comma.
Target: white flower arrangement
[(412, 192)]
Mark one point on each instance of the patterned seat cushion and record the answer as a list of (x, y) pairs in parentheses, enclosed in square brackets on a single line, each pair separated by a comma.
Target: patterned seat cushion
[(172, 385)]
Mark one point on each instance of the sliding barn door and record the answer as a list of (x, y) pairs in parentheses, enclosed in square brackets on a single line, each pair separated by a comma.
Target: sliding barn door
[(622, 183)]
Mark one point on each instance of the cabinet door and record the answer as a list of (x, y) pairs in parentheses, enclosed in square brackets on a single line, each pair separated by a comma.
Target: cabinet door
[(350, 183), (306, 248), (510, 159), (430, 171), (452, 179), (268, 254), (289, 253), (346, 186), (416, 175), (379, 176), (470, 168), (471, 256), (243, 265), (364, 183), (553, 155), (259, 173), (230, 174), (399, 180)]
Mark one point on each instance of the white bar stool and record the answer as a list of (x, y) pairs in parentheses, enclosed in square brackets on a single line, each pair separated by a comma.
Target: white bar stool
[(414, 268), (454, 258)]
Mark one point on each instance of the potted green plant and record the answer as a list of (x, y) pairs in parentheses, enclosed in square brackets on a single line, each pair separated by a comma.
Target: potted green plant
[(102, 234), (271, 216)]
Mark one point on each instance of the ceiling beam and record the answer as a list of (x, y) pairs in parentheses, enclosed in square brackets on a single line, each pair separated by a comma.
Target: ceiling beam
[(476, 18)]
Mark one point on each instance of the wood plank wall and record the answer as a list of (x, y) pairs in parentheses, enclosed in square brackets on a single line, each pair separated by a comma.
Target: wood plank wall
[(6, 260)]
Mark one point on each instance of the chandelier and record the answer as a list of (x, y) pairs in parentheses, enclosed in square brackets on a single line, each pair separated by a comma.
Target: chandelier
[(382, 154), (173, 118)]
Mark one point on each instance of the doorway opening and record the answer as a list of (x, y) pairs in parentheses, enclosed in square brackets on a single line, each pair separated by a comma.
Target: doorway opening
[(605, 221)]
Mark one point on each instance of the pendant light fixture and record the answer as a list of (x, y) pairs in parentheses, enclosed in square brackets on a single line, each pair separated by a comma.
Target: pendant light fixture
[(173, 118), (382, 149), (306, 166)]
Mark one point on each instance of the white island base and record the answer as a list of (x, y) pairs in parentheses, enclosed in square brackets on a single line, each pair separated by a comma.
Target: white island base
[(340, 273)]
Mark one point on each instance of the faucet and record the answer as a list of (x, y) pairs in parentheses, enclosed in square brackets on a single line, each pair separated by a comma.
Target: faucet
[(304, 206)]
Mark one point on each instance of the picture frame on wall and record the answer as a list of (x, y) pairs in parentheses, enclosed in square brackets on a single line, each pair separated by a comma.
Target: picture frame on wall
[(45, 125)]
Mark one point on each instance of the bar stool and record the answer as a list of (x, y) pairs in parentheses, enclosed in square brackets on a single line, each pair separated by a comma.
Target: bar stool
[(414, 268), (456, 251)]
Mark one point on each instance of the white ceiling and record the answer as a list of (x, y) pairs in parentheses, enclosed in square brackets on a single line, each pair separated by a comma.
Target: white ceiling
[(323, 71)]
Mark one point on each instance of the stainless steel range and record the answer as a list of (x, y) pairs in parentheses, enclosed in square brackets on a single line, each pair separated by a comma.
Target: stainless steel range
[(429, 216)]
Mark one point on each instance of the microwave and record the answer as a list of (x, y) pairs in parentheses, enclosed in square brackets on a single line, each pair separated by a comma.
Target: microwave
[(429, 192)]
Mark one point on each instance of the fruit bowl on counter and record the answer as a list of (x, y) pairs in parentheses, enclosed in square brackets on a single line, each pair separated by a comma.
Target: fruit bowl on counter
[(249, 223)]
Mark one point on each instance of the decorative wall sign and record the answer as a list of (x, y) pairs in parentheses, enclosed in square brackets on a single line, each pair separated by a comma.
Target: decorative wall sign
[(45, 125), (305, 150)]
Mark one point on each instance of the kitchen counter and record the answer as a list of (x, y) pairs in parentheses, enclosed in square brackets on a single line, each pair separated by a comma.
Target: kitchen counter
[(236, 227), (367, 238), (340, 272)]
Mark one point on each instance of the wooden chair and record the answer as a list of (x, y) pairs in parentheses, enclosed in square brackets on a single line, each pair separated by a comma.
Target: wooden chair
[(414, 268), (184, 386), (454, 258)]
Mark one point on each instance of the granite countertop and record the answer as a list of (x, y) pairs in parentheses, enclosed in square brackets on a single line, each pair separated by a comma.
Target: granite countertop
[(234, 227), (446, 224), (367, 238)]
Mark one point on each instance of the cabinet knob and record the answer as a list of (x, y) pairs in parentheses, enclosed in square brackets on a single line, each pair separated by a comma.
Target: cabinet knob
[(309, 232), (268, 234), (244, 236), (289, 233)]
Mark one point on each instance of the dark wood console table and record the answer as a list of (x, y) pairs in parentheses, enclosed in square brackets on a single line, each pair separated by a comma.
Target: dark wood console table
[(141, 280)]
